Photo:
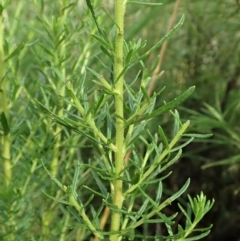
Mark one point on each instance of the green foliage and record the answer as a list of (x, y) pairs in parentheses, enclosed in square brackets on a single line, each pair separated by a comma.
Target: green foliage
[(75, 103), (206, 59)]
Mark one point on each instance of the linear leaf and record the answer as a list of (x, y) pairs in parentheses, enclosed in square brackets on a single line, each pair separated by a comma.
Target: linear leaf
[(5, 125), (55, 199), (75, 180), (198, 236), (58, 73), (86, 204), (144, 3), (189, 222), (100, 184), (159, 43), (102, 41), (202, 136), (168, 106), (181, 191), (104, 50), (227, 161), (172, 104), (183, 145), (15, 51), (144, 91), (163, 136), (142, 208), (159, 192), (176, 122), (90, 6), (53, 178)]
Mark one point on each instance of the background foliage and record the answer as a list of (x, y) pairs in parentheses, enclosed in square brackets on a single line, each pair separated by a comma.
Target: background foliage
[(204, 53)]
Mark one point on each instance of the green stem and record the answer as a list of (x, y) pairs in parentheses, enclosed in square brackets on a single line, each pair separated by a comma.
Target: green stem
[(5, 139), (59, 54), (6, 155), (117, 192), (81, 211), (61, 89)]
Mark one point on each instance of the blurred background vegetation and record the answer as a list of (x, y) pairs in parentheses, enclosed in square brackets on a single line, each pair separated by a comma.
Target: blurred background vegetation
[(205, 52)]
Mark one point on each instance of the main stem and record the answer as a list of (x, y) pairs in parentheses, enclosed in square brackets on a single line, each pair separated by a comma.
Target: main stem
[(117, 192)]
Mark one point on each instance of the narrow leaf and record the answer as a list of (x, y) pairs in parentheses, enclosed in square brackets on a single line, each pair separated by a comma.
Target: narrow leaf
[(94, 73), (53, 178), (168, 106), (99, 183), (183, 145), (172, 104), (86, 204), (55, 199), (181, 191), (90, 6), (104, 50), (201, 136), (93, 191), (176, 123), (159, 192), (142, 208), (145, 94), (166, 37), (5, 125), (103, 42), (163, 136), (144, 3), (129, 57), (198, 236), (227, 161), (189, 222), (58, 73), (15, 51), (75, 180)]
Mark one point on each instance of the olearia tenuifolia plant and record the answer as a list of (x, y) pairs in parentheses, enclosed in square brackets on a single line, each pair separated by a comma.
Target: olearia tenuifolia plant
[(114, 122)]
